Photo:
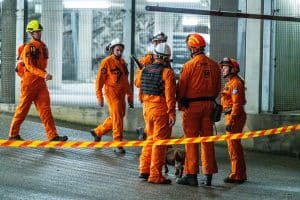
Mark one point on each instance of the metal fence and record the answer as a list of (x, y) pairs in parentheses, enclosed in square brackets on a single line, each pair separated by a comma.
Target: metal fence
[(76, 35)]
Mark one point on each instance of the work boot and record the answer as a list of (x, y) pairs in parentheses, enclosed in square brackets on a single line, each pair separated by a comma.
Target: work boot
[(164, 182), (144, 176), (59, 138), (17, 137), (96, 137), (120, 150), (208, 179), (188, 179), (230, 180)]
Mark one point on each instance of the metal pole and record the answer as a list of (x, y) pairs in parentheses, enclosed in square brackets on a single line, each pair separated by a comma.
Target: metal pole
[(220, 13), (132, 42)]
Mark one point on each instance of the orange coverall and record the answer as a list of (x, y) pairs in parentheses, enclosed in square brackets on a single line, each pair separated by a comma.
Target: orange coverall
[(113, 76), (233, 97), (157, 111), (34, 89), (200, 77)]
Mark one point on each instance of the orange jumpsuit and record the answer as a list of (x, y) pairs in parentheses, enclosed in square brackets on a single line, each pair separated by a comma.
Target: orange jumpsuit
[(200, 77), (233, 97), (113, 76), (34, 89), (157, 111)]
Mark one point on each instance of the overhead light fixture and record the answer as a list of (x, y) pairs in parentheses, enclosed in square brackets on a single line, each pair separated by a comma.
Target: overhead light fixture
[(69, 4), (38, 8), (173, 1), (190, 21)]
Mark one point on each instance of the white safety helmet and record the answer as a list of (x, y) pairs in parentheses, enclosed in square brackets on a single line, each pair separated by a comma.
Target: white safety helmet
[(159, 36), (162, 51), (114, 43)]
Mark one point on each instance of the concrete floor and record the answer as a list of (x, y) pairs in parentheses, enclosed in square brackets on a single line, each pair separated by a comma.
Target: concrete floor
[(100, 174)]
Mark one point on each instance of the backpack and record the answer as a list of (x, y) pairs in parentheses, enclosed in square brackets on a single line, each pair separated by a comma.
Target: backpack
[(20, 68)]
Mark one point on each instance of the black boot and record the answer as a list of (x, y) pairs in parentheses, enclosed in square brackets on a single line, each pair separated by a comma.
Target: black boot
[(188, 179), (60, 138), (119, 150), (96, 137), (17, 137), (230, 180), (144, 176), (207, 181)]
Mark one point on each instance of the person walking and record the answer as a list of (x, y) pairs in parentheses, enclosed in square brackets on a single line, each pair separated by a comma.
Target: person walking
[(157, 83), (233, 101), (113, 78), (34, 58), (198, 86)]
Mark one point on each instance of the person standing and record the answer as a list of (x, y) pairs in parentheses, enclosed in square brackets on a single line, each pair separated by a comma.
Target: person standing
[(34, 59), (113, 77), (199, 85), (148, 59), (156, 39), (157, 83), (233, 101)]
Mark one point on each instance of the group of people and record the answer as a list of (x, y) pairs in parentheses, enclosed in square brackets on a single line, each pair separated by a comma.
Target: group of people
[(198, 86)]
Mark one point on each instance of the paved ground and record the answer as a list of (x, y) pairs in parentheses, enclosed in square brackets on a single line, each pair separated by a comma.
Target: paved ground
[(101, 174)]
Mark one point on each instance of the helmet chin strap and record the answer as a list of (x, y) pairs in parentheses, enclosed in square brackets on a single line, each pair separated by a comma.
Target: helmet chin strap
[(226, 75), (196, 52), (230, 74)]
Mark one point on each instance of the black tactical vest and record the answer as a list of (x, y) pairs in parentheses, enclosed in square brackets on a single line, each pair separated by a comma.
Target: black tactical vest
[(152, 82)]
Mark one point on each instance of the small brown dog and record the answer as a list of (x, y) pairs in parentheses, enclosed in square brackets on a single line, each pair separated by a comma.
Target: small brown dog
[(174, 156)]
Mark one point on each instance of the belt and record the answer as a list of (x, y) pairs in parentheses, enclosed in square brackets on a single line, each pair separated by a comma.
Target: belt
[(198, 99), (185, 101)]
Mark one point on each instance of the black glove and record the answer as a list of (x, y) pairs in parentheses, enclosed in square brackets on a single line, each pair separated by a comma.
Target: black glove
[(228, 128)]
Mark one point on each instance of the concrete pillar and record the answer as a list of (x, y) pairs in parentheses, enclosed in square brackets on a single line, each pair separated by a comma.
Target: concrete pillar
[(268, 59), (52, 21), (127, 31), (85, 32), (8, 50), (74, 22), (253, 58), (128, 37), (19, 40), (241, 35)]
